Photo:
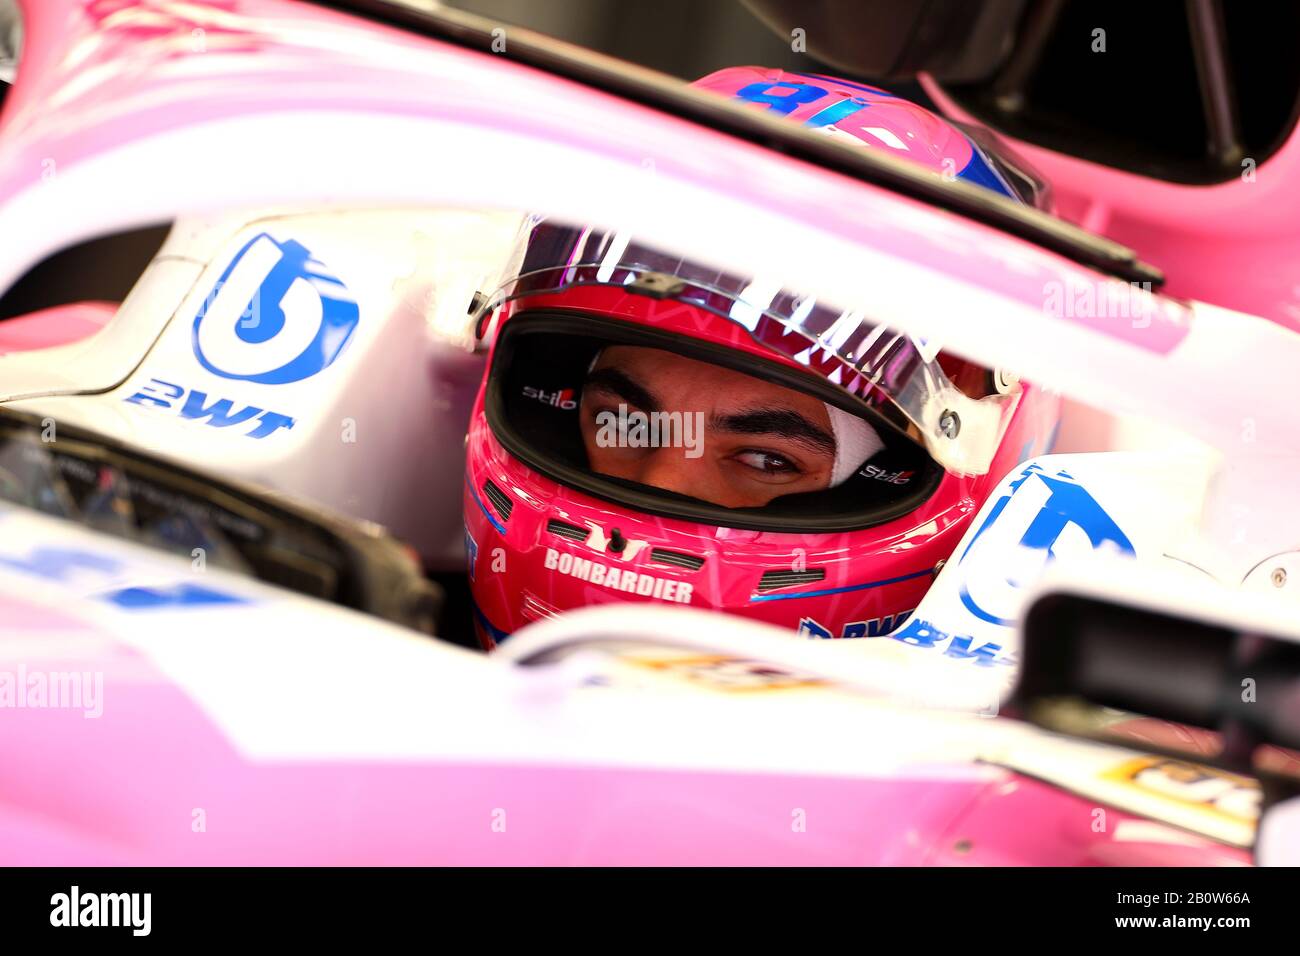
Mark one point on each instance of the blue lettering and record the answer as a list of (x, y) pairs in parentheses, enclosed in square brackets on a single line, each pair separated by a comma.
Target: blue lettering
[(835, 113), (59, 564), (784, 103), (56, 564), (218, 414), (920, 634), (886, 624), (144, 395), (811, 629), (134, 599), (984, 655), (270, 422)]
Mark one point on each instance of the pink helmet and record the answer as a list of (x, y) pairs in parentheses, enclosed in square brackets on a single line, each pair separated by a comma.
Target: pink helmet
[(650, 429)]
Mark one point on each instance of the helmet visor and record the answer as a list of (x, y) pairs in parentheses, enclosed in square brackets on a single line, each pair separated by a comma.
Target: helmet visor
[(897, 376), (669, 425)]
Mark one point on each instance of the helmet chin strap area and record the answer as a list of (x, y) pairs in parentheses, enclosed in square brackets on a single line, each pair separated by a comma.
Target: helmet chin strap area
[(855, 442)]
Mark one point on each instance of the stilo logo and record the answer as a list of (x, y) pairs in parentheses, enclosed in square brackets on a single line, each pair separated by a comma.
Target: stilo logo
[(562, 398), (275, 316), (882, 474)]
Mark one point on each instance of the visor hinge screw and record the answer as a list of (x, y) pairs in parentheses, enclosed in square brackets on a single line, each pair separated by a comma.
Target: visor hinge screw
[(949, 424), (617, 543), (1278, 577)]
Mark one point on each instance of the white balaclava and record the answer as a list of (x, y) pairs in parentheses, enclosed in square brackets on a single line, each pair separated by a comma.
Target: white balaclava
[(855, 442)]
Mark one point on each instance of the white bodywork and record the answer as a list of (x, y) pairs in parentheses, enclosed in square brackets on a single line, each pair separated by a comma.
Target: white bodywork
[(398, 393)]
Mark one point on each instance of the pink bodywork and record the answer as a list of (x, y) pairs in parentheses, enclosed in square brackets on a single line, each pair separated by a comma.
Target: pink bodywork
[(262, 57), (1234, 244), (54, 326), (122, 789)]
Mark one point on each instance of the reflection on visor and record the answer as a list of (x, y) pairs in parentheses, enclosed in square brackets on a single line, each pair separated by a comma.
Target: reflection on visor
[(895, 374)]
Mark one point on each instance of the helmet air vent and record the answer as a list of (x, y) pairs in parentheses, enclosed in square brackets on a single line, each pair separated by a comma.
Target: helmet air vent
[(676, 558), (565, 530), (784, 578), (500, 500)]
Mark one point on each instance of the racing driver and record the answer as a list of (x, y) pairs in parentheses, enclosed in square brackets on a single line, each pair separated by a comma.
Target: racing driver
[(650, 429)]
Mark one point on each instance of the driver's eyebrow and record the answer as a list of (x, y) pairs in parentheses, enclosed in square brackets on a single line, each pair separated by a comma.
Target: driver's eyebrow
[(784, 422), (610, 379)]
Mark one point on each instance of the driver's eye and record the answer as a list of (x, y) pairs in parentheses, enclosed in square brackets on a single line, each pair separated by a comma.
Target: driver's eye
[(767, 463)]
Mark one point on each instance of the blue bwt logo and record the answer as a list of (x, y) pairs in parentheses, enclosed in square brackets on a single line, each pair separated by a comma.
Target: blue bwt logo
[(1040, 516), (275, 316)]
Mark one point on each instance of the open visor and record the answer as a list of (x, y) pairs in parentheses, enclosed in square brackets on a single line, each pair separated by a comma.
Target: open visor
[(896, 376), (602, 406)]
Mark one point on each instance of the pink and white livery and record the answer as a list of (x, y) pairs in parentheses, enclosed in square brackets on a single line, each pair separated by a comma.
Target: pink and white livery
[(343, 203)]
